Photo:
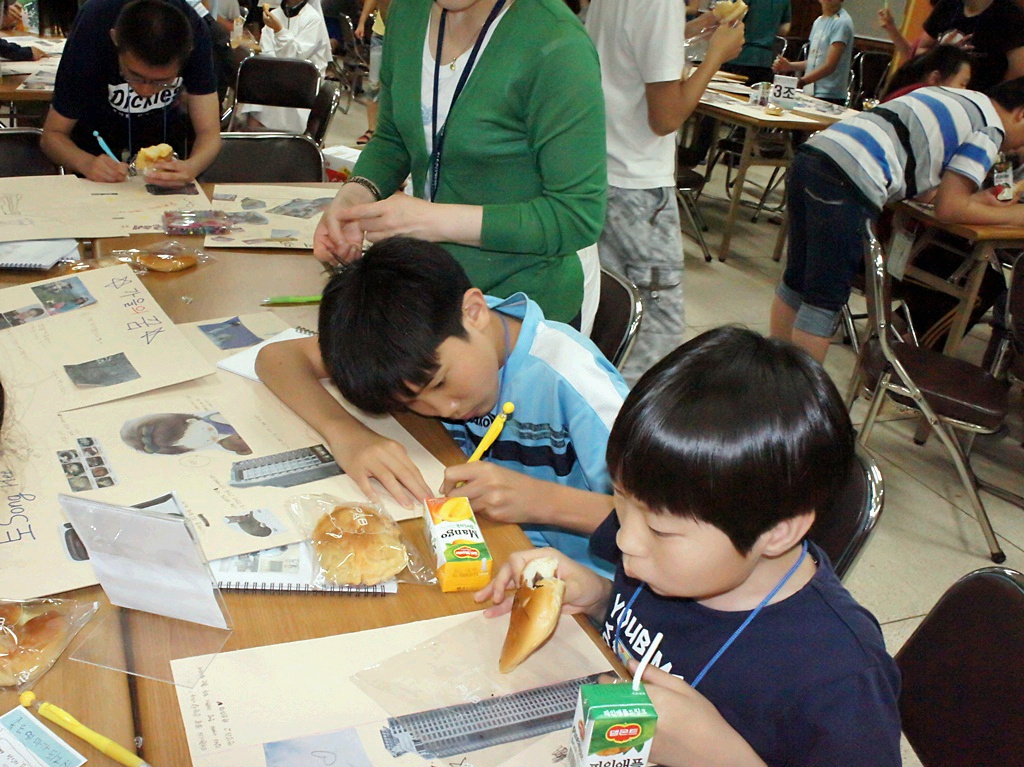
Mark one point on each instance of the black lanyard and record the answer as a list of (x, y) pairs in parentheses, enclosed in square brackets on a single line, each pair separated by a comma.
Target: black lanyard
[(437, 144)]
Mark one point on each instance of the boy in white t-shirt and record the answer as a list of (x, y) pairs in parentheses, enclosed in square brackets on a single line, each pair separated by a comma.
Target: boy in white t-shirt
[(648, 96)]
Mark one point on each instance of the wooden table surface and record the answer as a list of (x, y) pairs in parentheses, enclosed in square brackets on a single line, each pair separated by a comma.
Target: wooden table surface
[(9, 90), (231, 283)]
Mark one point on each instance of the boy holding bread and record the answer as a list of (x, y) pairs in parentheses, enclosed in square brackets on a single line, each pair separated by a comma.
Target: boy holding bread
[(403, 329), (766, 658)]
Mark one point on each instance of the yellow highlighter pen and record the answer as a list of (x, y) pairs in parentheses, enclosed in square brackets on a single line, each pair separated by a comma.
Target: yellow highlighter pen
[(63, 719)]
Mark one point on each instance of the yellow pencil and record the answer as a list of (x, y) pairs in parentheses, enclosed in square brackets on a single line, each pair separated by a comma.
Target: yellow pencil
[(492, 432), (102, 743)]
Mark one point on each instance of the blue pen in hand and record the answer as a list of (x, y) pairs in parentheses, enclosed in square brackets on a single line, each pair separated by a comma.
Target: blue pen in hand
[(104, 147)]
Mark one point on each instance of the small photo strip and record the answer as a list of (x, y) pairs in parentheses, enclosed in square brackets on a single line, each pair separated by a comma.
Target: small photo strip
[(63, 295), (85, 466)]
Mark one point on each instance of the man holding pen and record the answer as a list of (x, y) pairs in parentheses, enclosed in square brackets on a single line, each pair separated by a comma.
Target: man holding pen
[(135, 74)]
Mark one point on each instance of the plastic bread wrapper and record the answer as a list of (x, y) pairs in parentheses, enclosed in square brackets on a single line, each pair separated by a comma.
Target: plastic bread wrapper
[(309, 511), (165, 250), (34, 633)]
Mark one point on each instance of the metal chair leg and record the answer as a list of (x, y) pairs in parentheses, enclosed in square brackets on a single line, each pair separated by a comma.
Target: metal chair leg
[(876, 404), (849, 328), (689, 206)]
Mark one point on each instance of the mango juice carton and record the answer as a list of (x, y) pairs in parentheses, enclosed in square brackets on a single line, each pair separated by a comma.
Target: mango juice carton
[(463, 559), (614, 727)]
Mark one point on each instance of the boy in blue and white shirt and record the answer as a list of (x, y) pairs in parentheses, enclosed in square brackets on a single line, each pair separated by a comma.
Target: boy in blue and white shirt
[(934, 144), (829, 55), (403, 329)]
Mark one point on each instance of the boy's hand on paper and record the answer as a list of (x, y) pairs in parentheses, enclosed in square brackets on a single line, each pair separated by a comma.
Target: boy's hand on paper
[(106, 170), (369, 456), (170, 173), (338, 239), (585, 591), (691, 731), (38, 53), (499, 493)]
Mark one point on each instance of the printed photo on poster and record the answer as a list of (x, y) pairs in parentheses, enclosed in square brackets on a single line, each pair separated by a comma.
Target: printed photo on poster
[(106, 371), (230, 334), (63, 295), (177, 433)]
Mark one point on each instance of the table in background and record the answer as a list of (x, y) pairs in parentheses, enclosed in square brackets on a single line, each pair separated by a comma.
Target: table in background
[(965, 282), (726, 108), (232, 282)]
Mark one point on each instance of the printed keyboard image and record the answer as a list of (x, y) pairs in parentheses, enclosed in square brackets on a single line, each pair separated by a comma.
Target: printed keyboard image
[(293, 467)]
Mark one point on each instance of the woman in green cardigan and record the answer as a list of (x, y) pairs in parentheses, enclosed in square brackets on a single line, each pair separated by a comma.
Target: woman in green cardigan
[(518, 186)]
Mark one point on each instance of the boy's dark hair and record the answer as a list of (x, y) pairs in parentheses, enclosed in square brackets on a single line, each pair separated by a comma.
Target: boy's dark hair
[(944, 59), (383, 317), (155, 31), (1008, 94), (735, 430)]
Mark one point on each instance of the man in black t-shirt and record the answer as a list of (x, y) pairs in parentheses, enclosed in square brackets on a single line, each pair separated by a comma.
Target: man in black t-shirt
[(992, 29), (137, 73)]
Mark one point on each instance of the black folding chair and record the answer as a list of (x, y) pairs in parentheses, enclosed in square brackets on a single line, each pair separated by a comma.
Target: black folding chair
[(265, 158), (275, 82), (619, 312), (20, 154)]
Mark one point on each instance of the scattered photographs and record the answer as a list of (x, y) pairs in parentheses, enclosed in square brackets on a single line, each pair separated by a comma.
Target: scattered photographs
[(301, 208), (63, 295), (230, 334), (22, 316), (105, 371), (85, 466), (251, 203), (247, 217), (224, 196), (258, 523)]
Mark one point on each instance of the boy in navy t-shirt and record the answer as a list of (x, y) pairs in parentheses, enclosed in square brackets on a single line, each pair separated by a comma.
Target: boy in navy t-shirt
[(138, 73), (719, 458)]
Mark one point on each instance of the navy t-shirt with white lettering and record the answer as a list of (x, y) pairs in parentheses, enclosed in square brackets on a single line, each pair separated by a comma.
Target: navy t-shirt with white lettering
[(89, 87), (807, 683)]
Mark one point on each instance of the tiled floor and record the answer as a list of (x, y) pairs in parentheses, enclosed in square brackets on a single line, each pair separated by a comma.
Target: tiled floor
[(927, 537)]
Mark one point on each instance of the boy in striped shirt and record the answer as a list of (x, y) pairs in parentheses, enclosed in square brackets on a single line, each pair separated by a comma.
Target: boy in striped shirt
[(933, 145)]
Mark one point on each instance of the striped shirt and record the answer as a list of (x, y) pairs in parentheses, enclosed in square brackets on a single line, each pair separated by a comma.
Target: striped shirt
[(901, 149)]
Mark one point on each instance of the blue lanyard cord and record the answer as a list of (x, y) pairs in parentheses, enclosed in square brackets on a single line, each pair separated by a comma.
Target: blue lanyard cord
[(753, 614), (437, 142), (735, 634)]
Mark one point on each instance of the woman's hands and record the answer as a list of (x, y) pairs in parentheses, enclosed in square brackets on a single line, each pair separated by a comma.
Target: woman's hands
[(339, 238)]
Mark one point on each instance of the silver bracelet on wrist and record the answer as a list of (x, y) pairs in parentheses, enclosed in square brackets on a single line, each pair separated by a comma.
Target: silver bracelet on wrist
[(366, 184)]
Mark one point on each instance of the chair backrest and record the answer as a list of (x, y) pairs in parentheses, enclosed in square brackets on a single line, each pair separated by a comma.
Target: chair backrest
[(265, 158), (352, 50), (872, 68), (20, 154), (275, 82), (963, 674), (793, 47), (1015, 318), (842, 528), (877, 288), (619, 312), (779, 46), (323, 110)]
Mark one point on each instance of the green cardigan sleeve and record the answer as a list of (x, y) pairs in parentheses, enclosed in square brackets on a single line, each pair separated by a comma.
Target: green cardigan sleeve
[(566, 128)]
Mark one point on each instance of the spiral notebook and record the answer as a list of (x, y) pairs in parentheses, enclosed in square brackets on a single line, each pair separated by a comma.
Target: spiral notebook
[(37, 254), (285, 568)]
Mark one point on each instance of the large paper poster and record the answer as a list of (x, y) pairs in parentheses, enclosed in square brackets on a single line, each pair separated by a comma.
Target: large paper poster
[(273, 706), (51, 207), (269, 216), (90, 337)]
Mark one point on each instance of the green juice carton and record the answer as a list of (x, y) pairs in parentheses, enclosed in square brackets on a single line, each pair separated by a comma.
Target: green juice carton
[(614, 727)]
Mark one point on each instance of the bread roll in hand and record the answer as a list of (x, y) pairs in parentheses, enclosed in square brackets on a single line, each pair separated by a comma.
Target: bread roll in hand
[(535, 611)]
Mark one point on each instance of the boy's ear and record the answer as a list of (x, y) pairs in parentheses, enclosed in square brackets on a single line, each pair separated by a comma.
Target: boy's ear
[(474, 309), (113, 36), (933, 77), (787, 534)]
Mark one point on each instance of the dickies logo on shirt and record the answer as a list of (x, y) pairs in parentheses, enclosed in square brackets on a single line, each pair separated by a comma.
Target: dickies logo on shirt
[(125, 101)]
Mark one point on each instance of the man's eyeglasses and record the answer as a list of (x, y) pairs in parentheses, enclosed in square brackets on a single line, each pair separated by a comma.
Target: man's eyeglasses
[(135, 80)]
